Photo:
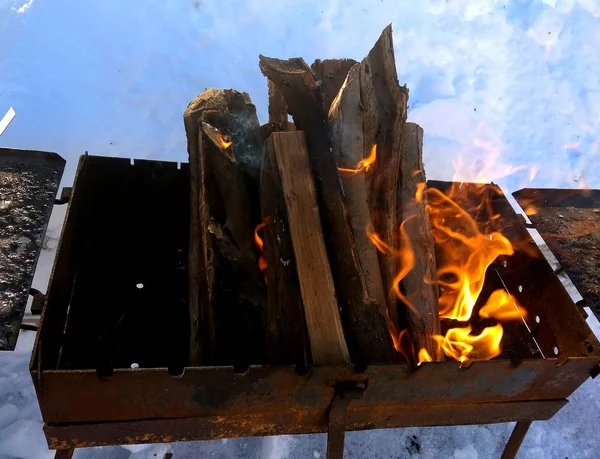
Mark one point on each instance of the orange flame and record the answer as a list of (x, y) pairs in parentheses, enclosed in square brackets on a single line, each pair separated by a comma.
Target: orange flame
[(571, 146), (466, 253), (363, 164), (262, 260), (464, 347), (467, 246), (406, 259), (424, 356), (467, 236), (223, 143), (531, 210), (502, 306)]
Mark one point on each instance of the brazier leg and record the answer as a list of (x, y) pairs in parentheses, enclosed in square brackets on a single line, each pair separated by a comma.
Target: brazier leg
[(515, 440), (64, 453)]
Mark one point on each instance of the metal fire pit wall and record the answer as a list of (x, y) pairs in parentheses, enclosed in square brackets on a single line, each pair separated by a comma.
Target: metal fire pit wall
[(127, 225), (569, 222)]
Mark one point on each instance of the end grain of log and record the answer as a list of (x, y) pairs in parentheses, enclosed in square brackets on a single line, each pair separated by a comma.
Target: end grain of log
[(330, 75)]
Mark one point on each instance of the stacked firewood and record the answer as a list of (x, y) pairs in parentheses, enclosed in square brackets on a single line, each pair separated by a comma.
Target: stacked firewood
[(310, 241)]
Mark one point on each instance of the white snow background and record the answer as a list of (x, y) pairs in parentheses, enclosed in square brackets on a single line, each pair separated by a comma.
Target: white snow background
[(519, 79)]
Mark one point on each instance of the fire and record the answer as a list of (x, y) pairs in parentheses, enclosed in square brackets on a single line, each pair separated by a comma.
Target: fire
[(222, 141), (424, 356), (468, 240), (531, 210), (468, 244), (364, 164), (262, 260), (406, 259), (466, 253), (461, 345)]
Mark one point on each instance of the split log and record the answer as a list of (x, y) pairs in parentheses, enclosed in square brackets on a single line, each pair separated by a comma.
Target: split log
[(224, 187), (419, 284), (201, 281), (384, 104), (287, 336), (330, 75), (278, 114), (345, 119), (328, 345), (365, 326)]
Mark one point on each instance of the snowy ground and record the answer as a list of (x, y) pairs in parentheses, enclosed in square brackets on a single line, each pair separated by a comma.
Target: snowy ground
[(515, 79)]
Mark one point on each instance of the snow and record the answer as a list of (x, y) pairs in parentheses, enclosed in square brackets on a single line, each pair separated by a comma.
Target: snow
[(513, 78)]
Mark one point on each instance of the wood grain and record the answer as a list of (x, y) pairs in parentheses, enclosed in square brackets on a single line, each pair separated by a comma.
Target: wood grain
[(327, 342)]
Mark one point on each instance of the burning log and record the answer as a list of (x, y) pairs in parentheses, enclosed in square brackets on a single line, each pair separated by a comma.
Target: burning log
[(224, 149), (419, 283), (287, 339), (328, 345), (365, 326), (384, 105), (345, 119)]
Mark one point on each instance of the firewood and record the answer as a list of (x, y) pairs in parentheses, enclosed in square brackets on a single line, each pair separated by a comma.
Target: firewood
[(224, 149), (365, 326), (200, 304), (345, 119), (330, 74), (384, 106), (419, 284), (287, 338), (277, 108), (328, 345)]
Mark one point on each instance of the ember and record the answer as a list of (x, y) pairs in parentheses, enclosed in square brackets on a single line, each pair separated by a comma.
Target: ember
[(262, 260)]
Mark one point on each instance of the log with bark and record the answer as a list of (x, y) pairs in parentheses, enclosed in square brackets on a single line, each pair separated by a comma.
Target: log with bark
[(367, 119), (224, 149)]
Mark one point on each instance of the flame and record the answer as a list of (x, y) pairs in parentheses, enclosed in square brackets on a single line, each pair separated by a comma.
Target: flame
[(531, 210), (468, 239), (501, 306), (419, 193), (406, 259), (466, 253), (571, 146), (262, 260), (468, 243), (363, 164), (424, 356), (461, 345), (223, 143)]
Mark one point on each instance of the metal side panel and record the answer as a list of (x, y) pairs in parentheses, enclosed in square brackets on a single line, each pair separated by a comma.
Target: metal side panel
[(29, 181), (569, 221)]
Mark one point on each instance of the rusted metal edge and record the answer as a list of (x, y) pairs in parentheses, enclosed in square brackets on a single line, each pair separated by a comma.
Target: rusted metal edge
[(292, 422)]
